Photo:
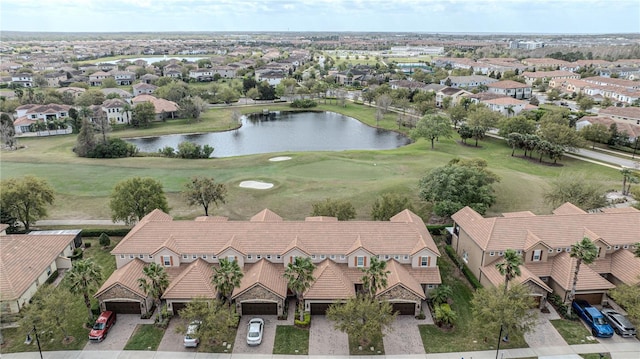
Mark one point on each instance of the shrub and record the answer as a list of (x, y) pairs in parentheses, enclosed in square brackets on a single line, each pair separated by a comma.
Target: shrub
[(104, 240), (304, 323), (191, 150), (303, 103), (53, 277), (114, 148), (421, 315), (77, 254), (87, 245), (117, 232), (167, 151), (437, 229)]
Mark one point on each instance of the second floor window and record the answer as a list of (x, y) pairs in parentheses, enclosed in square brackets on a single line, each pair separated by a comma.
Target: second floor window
[(425, 261), (166, 260), (360, 261), (536, 256)]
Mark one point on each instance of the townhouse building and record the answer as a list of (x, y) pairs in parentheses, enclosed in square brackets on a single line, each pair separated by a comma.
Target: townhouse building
[(510, 88), (545, 241), (547, 76), (263, 247), (467, 82)]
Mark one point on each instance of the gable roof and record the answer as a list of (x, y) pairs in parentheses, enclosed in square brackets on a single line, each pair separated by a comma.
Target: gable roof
[(563, 270), (24, 257), (126, 276), (330, 282), (193, 281), (266, 274), (625, 266), (399, 276), (402, 234), (493, 275), (507, 84)]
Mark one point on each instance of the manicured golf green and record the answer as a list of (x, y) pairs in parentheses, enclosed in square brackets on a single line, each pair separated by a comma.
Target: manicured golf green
[(83, 185)]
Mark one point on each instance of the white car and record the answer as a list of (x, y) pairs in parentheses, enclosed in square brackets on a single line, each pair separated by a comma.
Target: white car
[(254, 335), (190, 339)]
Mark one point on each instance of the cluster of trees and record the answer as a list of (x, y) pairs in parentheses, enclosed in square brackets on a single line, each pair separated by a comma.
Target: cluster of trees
[(25, 200), (530, 143), (88, 145), (188, 150)]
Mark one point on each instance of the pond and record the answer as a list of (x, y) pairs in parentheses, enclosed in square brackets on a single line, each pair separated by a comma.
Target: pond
[(285, 131)]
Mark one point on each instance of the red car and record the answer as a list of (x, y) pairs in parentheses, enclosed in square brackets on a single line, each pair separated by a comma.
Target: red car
[(105, 321)]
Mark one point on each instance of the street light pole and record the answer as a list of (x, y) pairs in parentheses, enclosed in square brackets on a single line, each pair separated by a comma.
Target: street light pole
[(499, 340), (29, 340)]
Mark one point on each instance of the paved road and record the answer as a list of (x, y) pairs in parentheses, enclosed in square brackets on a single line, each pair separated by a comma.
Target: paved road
[(603, 157)]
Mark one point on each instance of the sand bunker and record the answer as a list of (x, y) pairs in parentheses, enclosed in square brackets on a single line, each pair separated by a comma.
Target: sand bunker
[(255, 185), (278, 159)]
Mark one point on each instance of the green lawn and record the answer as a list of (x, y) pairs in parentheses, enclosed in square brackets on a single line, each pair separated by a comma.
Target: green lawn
[(145, 337), (573, 331), (82, 186), (354, 348), (463, 337), (596, 356), (291, 340)]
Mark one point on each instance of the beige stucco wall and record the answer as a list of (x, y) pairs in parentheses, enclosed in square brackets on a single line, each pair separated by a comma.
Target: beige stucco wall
[(465, 244), (415, 259), (351, 259)]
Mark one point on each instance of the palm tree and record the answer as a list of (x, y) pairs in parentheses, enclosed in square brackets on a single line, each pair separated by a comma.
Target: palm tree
[(84, 277), (375, 277), (510, 267), (584, 251), (626, 174), (126, 108), (299, 276), (226, 278), (154, 283)]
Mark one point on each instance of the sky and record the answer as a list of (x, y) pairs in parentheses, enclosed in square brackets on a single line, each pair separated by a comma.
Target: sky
[(429, 16)]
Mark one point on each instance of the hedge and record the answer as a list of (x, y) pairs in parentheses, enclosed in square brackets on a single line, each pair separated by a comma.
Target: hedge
[(304, 323), (437, 229), (115, 232), (465, 270)]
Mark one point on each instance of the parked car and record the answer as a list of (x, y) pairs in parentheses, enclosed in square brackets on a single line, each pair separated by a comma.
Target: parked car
[(254, 335), (103, 324), (621, 325), (191, 339), (593, 317)]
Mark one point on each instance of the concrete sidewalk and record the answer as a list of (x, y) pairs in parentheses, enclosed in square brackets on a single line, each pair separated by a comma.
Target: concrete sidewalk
[(626, 350)]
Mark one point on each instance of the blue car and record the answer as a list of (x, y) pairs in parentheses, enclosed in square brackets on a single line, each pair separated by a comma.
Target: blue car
[(593, 317)]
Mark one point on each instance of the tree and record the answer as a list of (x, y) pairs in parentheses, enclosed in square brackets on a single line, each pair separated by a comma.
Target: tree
[(216, 322), (101, 123), (457, 114), (375, 277), (343, 210), (203, 191), (432, 127), (444, 315), (585, 103), (7, 131), (495, 310), (628, 297), (480, 120), (90, 97), (627, 177), (154, 283), (383, 101), (596, 133), (456, 185), (136, 197), (49, 311), (84, 277), (388, 205), (228, 95), (560, 134), (577, 189), (26, 198), (465, 132), (441, 294), (517, 124), (226, 277), (109, 82), (362, 318), (583, 251), (299, 276), (143, 114), (510, 266)]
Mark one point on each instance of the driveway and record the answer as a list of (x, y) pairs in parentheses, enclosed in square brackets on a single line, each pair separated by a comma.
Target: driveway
[(268, 336), (120, 333), (172, 341), (324, 339), (403, 336)]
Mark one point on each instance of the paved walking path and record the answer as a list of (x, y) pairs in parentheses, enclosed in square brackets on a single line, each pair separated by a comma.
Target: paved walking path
[(627, 350)]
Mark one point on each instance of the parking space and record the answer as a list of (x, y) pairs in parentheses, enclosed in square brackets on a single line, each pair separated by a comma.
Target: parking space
[(120, 333), (268, 336), (403, 337), (324, 339)]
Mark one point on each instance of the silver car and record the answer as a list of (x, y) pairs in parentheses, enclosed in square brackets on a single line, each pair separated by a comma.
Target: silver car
[(191, 337), (254, 334), (621, 325)]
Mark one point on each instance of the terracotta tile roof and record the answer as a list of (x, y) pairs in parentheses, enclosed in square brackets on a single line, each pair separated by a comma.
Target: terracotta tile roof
[(193, 281), (568, 208), (321, 219), (505, 101), (126, 276), (508, 84), (160, 104), (402, 234), (541, 269), (588, 279), (518, 214), (549, 74), (266, 274), (619, 210), (625, 266), (557, 230), (24, 257), (266, 215), (399, 276), (493, 275), (630, 112), (212, 219), (430, 275), (331, 282)]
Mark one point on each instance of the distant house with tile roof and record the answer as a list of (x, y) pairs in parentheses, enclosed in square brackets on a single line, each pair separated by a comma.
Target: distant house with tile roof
[(163, 108), (510, 88), (263, 247), (28, 260), (507, 106), (545, 241)]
